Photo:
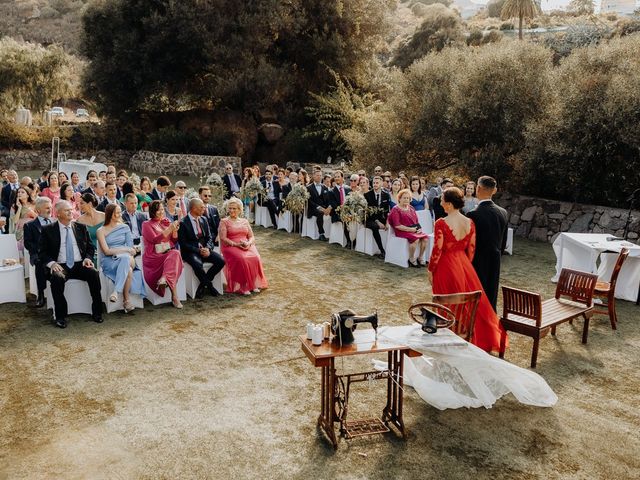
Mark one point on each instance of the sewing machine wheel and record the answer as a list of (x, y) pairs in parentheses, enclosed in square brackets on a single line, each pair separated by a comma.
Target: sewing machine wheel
[(340, 399), (445, 318)]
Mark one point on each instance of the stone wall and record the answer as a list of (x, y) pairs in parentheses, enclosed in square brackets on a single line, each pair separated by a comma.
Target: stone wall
[(22, 160), (542, 220), (181, 164)]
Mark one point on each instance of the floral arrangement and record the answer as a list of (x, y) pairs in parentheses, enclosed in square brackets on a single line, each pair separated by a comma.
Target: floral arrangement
[(354, 209), (135, 180), (297, 199), (252, 189), (191, 193), (218, 190)]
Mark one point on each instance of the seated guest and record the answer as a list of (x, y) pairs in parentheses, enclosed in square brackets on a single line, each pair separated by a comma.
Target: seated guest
[(438, 211), (90, 217), (99, 191), (23, 210), (144, 194), (404, 220), (133, 218), (243, 267), (396, 186), (354, 182), (75, 182), (161, 262), (62, 178), (434, 192), (210, 212), (8, 191), (378, 199), (121, 178), (232, 181), (363, 184), (418, 198), (162, 187), (171, 209), (67, 193), (196, 247), (336, 198), (66, 249), (271, 197), (43, 181), (127, 188), (303, 177), (116, 257), (317, 205), (327, 180), (182, 200), (92, 178), (52, 191), (470, 200), (3, 176), (284, 186), (111, 196), (102, 175), (32, 231)]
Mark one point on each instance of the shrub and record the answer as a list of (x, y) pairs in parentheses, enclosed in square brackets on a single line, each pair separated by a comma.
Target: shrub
[(475, 38), (575, 36), (507, 26), (494, 8)]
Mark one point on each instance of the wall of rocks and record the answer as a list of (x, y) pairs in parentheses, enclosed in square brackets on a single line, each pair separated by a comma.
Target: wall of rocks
[(21, 160), (181, 164), (542, 220)]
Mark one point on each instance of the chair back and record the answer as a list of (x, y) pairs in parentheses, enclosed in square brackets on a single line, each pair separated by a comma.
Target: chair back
[(522, 303), (624, 253), (8, 246), (464, 307), (577, 286)]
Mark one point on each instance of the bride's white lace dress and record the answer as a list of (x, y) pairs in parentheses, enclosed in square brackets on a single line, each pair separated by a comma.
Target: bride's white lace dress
[(452, 373)]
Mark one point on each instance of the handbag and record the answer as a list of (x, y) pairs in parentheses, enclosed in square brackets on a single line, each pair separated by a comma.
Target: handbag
[(162, 247)]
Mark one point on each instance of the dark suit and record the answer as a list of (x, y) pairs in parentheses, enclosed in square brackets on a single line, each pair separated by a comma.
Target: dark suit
[(6, 194), (491, 238), (103, 204), (438, 211), (155, 195), (190, 243), (271, 204), (139, 218), (380, 216), (334, 201), (213, 220), (49, 248), (43, 184), (227, 184), (32, 232), (315, 203)]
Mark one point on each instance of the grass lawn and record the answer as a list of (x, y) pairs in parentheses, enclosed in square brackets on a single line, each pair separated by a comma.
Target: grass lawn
[(221, 389)]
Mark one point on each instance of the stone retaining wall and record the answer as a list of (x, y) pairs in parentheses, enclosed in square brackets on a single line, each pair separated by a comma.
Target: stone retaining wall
[(181, 164), (21, 160), (542, 220)]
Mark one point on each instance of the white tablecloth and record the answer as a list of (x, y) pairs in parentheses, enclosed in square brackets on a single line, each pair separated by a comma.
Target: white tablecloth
[(581, 251), (82, 167)]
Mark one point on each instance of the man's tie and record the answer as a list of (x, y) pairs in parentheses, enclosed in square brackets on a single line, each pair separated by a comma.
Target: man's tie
[(182, 207), (199, 227), (69, 248), (378, 199), (341, 195)]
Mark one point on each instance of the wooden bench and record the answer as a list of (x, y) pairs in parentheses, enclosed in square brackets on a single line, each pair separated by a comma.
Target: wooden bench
[(525, 313)]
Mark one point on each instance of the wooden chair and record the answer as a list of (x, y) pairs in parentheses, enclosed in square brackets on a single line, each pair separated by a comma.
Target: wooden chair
[(464, 307), (525, 313), (606, 291)]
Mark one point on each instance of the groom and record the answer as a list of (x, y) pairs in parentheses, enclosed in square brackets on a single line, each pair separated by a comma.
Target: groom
[(491, 237)]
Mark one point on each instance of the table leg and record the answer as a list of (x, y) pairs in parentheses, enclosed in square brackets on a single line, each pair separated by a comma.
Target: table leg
[(327, 410), (392, 412)]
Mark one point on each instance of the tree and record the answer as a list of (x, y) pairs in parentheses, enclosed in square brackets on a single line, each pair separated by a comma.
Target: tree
[(519, 9)]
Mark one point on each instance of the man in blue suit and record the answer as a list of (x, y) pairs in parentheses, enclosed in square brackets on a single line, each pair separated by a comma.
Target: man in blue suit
[(32, 232), (133, 218), (210, 212)]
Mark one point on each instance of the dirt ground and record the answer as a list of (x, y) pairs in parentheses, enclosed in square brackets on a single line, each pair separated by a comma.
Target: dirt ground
[(222, 389)]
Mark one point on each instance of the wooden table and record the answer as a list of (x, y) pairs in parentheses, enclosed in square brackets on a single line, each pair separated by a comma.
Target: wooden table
[(335, 394)]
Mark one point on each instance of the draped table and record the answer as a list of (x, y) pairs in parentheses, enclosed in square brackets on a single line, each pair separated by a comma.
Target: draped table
[(581, 251)]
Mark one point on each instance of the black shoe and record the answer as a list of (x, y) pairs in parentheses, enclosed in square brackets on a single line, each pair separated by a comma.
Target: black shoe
[(381, 254), (200, 290), (97, 318), (322, 238), (41, 300), (349, 245), (213, 291), (61, 323)]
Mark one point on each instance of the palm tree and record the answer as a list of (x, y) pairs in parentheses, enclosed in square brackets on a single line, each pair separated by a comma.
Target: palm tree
[(521, 9)]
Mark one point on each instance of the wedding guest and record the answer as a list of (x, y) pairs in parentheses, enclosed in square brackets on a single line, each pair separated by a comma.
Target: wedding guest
[(7, 192), (248, 174), (181, 200), (162, 187), (231, 181), (491, 223), (144, 194), (102, 175), (393, 195), (196, 247), (354, 180), (303, 178), (53, 190), (377, 172), (92, 178), (438, 211), (317, 205), (379, 200), (133, 218), (43, 181), (67, 251), (405, 181), (62, 178), (434, 192), (293, 178), (243, 268), (110, 198), (404, 220), (121, 179), (284, 187), (90, 217), (210, 212), (418, 199), (67, 193), (32, 232), (271, 197), (171, 209), (450, 269), (337, 197), (23, 210), (327, 180), (127, 188), (99, 191), (75, 182), (470, 200), (161, 262), (116, 257), (363, 185)]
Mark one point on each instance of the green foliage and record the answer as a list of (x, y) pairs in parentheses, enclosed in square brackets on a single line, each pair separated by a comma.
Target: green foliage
[(172, 140), (441, 27)]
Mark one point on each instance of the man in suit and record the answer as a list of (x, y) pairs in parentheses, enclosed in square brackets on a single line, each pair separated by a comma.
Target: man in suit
[(8, 190), (32, 232), (196, 247), (183, 202), (438, 211), (336, 198), (110, 197), (379, 199), (317, 205), (271, 197), (210, 214), (434, 192), (92, 178), (43, 181), (231, 181), (66, 249), (162, 186), (491, 237), (133, 218)]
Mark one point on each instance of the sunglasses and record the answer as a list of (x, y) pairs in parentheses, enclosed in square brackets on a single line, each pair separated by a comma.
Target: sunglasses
[(181, 187), (206, 196)]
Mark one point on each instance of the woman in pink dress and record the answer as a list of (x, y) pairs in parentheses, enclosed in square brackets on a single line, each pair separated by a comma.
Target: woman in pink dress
[(404, 220), (67, 193), (52, 191), (243, 267), (161, 262)]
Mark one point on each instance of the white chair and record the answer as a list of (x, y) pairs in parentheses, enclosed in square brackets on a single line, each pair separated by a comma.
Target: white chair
[(509, 247), (426, 222), (33, 284), (26, 262), (192, 283), (77, 294), (309, 228), (365, 242), (262, 217), (108, 287), (398, 250), (337, 234), (11, 278), (156, 299), (285, 221)]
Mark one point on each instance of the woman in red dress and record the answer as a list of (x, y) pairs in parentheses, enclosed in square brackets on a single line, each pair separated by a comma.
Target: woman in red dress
[(243, 267), (404, 220), (161, 262), (451, 271)]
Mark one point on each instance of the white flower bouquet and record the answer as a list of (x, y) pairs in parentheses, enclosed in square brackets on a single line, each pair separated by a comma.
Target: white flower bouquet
[(252, 189), (354, 208), (296, 201)]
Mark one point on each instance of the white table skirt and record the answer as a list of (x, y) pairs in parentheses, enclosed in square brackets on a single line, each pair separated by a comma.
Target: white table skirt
[(581, 251)]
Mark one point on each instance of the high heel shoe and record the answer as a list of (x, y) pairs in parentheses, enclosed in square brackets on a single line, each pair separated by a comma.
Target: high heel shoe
[(128, 307), (162, 282), (113, 298), (176, 303)]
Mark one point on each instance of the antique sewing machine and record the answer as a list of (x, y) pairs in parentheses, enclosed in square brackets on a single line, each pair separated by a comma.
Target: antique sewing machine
[(345, 322)]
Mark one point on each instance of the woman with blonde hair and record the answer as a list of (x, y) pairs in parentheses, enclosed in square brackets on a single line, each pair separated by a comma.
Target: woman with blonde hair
[(404, 220)]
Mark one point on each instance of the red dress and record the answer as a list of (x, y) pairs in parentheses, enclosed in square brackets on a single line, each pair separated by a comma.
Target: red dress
[(453, 272), (157, 265), (243, 268), (407, 218)]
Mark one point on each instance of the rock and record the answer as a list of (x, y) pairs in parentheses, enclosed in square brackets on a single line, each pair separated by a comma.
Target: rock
[(514, 219), (633, 235), (557, 216), (605, 219), (566, 208), (597, 229), (271, 132), (523, 230), (538, 234), (554, 236), (528, 213), (581, 224)]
